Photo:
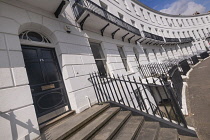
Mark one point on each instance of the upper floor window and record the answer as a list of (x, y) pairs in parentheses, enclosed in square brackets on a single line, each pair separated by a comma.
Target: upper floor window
[(161, 18), (184, 34), (197, 21), (150, 16), (126, 5), (207, 18), (188, 33), (133, 23), (188, 22), (99, 58), (199, 33), (124, 58), (155, 18), (192, 21), (134, 8), (142, 26), (104, 6), (173, 22), (143, 14), (121, 16), (203, 20)]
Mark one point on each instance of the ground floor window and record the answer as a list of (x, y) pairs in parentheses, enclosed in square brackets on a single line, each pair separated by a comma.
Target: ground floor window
[(99, 58), (147, 55), (124, 58), (136, 53)]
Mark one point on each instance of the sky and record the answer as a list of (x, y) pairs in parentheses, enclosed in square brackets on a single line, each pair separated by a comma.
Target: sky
[(175, 7)]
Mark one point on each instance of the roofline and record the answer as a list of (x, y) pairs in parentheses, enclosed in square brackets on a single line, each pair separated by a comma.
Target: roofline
[(169, 15)]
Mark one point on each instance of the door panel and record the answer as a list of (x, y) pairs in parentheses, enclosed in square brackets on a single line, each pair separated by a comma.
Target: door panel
[(45, 79)]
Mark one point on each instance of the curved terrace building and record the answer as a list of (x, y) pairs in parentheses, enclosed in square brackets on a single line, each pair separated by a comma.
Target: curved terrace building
[(49, 49)]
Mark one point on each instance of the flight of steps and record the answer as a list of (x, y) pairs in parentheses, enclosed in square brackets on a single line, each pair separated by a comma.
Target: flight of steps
[(102, 122)]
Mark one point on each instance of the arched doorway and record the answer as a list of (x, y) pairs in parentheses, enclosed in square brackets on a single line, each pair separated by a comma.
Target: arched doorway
[(44, 74)]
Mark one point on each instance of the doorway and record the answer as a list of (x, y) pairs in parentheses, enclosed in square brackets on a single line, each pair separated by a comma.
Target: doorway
[(46, 83)]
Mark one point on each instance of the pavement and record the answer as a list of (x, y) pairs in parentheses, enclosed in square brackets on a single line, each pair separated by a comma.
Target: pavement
[(198, 99)]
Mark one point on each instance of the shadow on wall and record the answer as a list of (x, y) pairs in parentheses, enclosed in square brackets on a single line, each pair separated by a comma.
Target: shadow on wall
[(15, 123)]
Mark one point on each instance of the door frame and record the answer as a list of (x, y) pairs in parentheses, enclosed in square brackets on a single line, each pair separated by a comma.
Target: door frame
[(48, 46)]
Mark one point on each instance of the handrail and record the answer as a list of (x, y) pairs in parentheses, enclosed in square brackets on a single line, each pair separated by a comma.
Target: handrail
[(81, 5)]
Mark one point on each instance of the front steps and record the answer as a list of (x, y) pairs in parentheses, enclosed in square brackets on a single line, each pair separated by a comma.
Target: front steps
[(102, 122)]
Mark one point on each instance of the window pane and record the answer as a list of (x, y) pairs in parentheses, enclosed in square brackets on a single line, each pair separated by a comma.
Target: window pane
[(125, 64), (136, 53), (101, 65), (97, 50), (35, 36), (123, 57), (98, 54), (146, 53)]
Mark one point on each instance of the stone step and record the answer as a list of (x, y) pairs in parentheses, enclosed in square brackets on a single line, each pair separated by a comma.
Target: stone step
[(181, 137), (58, 120), (88, 130), (73, 123), (149, 131), (168, 134), (110, 129), (130, 128)]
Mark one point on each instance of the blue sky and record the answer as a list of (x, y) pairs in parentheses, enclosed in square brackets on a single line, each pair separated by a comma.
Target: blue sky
[(184, 7)]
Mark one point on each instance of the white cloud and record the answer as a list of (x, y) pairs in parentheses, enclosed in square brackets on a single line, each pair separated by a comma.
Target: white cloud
[(183, 7)]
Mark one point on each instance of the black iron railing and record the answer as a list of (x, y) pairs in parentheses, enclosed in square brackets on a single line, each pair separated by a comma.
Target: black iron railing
[(152, 96), (204, 55), (177, 82), (186, 40), (155, 69), (152, 36), (194, 59), (185, 67), (171, 40), (80, 6)]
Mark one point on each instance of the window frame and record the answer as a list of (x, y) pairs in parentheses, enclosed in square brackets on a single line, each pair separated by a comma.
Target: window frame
[(123, 57), (103, 59)]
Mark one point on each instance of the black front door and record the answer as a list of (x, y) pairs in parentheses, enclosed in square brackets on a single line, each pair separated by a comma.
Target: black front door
[(45, 79)]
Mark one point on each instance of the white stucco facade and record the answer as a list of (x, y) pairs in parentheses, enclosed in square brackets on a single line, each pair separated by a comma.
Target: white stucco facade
[(18, 118)]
